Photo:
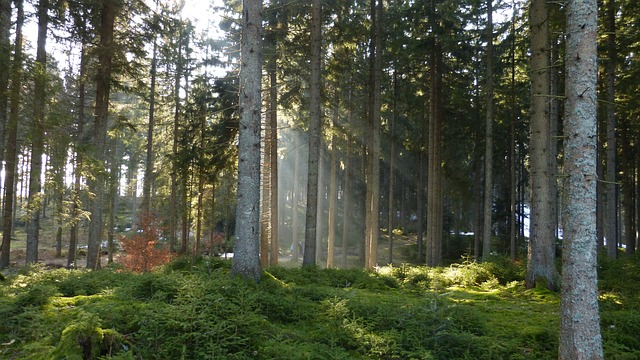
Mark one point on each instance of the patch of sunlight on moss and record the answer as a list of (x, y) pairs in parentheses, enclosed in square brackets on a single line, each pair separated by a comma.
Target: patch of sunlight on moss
[(78, 300), (611, 298)]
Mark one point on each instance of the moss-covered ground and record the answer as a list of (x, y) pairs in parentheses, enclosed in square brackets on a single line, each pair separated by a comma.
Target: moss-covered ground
[(463, 311)]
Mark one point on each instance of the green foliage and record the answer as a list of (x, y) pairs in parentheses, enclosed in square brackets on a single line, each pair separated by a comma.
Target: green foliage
[(196, 310)]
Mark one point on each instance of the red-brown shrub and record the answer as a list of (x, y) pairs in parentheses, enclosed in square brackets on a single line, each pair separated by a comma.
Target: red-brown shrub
[(143, 251)]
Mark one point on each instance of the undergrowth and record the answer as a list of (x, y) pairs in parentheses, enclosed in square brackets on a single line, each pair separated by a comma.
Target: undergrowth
[(198, 311)]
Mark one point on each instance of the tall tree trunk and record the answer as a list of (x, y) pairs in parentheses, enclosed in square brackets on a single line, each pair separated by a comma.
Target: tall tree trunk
[(541, 253), (149, 169), (5, 69), (103, 87), (12, 139), (420, 206), (580, 336), (610, 217), (488, 144), (79, 155), (315, 123), (321, 204), (37, 136), (273, 164), (295, 199), (246, 260), (375, 103), (266, 193), (512, 141), (434, 163), (173, 196), (392, 170), (333, 192), (114, 190), (346, 205)]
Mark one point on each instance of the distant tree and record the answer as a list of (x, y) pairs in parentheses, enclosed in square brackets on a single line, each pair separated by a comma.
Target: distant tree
[(488, 144), (580, 336), (246, 259)]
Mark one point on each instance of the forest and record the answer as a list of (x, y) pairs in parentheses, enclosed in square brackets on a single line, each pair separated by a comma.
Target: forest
[(399, 169)]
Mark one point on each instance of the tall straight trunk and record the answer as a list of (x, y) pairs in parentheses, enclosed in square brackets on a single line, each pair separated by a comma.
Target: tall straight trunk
[(186, 211), (147, 182), (77, 170), (58, 162), (541, 252), (114, 190), (346, 205), (321, 205), (333, 198), (173, 196), (610, 217), (103, 87), (36, 197), (375, 103), (315, 122), (5, 69), (488, 144), (628, 184), (580, 336), (265, 194), (434, 163), (12, 139), (246, 259), (512, 141), (295, 199), (554, 124), (420, 207), (273, 166), (392, 175)]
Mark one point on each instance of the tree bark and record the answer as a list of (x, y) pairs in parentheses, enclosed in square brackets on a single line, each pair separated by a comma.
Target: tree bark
[(36, 199), (5, 69), (373, 178), (488, 144), (246, 260), (541, 252), (103, 87), (147, 181), (611, 198), (580, 336), (273, 162), (315, 118), (12, 139)]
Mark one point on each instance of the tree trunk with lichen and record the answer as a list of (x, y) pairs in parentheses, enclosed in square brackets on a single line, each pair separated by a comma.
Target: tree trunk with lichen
[(580, 336)]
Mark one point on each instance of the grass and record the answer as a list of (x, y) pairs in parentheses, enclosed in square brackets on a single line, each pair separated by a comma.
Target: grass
[(463, 311)]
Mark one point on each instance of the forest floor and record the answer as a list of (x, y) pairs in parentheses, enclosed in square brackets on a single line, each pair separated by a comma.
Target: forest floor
[(187, 310)]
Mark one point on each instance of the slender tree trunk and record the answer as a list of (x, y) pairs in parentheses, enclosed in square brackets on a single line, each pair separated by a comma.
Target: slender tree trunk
[(114, 189), (512, 141), (541, 254), (346, 206), (78, 144), (295, 199), (580, 336), (12, 139), (36, 196), (173, 197), (315, 118), (434, 163), (149, 169), (266, 193), (273, 162), (610, 218), (333, 196), (392, 170), (5, 70), (246, 260), (321, 204), (420, 207), (488, 151), (373, 180)]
